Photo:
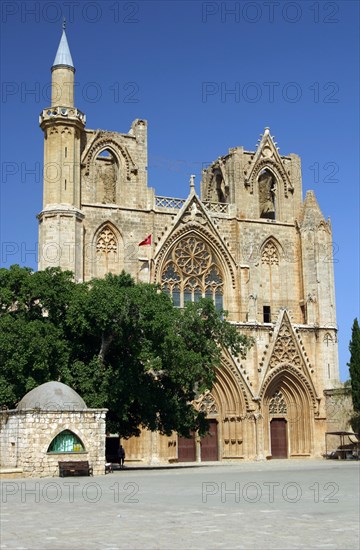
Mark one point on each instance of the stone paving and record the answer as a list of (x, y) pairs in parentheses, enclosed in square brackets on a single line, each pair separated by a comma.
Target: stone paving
[(277, 504)]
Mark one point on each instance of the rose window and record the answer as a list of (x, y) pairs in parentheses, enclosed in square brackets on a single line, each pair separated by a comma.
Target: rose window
[(192, 257), (191, 272)]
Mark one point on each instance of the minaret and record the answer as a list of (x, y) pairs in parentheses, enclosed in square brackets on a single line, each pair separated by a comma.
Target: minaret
[(60, 222)]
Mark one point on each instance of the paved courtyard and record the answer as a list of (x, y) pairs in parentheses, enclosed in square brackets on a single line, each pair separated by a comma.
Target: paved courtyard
[(278, 504)]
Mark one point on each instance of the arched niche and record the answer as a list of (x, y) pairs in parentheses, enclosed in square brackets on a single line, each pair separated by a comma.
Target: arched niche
[(66, 442), (108, 251), (217, 188), (267, 185), (106, 174)]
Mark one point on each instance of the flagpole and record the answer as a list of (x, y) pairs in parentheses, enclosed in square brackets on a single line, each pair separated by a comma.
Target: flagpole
[(148, 242)]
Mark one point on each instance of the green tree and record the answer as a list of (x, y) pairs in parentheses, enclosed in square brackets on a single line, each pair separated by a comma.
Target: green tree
[(354, 365), (33, 346), (121, 345)]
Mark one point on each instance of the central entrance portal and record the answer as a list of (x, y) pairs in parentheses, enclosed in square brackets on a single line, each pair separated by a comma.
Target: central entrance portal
[(278, 434)]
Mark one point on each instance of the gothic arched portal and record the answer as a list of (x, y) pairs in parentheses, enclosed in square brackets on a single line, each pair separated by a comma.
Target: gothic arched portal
[(288, 406)]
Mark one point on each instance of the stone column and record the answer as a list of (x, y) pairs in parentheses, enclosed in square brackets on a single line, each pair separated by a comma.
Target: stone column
[(259, 436)]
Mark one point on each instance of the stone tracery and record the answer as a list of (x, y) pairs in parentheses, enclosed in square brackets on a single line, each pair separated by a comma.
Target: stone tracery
[(277, 404), (106, 242), (285, 349), (208, 404), (270, 255), (191, 272)]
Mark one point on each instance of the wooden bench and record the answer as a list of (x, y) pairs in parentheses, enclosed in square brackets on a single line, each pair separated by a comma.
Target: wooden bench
[(75, 468)]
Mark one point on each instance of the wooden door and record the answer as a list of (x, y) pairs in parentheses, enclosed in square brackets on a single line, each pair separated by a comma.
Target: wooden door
[(278, 433), (187, 449), (209, 443)]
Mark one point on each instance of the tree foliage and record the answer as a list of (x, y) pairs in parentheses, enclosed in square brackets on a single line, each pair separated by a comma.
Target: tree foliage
[(354, 365), (120, 345)]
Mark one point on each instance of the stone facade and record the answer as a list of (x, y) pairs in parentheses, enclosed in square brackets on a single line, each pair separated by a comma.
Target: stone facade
[(249, 242), (26, 436), (50, 424)]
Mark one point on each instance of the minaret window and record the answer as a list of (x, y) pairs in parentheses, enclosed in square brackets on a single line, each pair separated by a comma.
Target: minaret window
[(191, 272)]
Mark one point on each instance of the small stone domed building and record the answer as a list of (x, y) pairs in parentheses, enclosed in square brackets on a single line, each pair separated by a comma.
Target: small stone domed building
[(51, 423)]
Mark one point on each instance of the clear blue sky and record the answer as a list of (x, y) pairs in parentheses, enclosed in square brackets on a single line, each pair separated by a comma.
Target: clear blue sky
[(294, 66)]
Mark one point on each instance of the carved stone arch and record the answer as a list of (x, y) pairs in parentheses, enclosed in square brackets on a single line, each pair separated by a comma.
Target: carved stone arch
[(220, 252), (215, 182), (296, 374), (231, 372), (276, 169), (121, 154), (324, 226), (111, 225), (208, 404), (107, 250), (62, 427), (233, 401), (272, 249), (298, 406)]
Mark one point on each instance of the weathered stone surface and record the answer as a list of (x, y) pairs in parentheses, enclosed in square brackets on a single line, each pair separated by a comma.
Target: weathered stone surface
[(261, 252), (25, 437)]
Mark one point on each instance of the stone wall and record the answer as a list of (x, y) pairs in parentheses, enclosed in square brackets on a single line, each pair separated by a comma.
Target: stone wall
[(339, 409), (25, 437)]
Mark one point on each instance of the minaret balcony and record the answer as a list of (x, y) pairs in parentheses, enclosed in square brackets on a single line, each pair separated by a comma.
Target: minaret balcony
[(61, 114)]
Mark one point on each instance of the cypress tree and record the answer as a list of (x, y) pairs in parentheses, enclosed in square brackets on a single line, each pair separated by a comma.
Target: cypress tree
[(354, 365)]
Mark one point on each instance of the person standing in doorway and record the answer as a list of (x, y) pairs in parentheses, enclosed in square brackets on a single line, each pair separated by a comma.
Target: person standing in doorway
[(121, 456)]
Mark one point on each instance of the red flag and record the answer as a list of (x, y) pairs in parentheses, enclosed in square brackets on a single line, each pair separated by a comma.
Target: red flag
[(146, 241)]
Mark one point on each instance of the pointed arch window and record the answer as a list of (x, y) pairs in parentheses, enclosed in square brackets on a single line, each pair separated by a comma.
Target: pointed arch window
[(267, 194), (106, 175), (191, 272), (108, 257), (66, 442), (106, 243)]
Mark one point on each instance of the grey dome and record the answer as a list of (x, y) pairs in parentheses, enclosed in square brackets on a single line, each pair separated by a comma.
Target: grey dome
[(52, 396)]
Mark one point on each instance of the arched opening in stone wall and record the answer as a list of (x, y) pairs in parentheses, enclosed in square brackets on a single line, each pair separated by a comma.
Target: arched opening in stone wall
[(216, 186), (106, 170), (230, 434), (267, 194), (66, 442), (288, 416)]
